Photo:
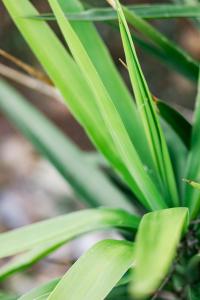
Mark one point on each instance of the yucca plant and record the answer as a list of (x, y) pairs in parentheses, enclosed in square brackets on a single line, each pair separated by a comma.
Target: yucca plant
[(148, 146)]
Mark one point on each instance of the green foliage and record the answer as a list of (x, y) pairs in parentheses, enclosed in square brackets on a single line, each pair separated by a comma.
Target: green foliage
[(146, 145)]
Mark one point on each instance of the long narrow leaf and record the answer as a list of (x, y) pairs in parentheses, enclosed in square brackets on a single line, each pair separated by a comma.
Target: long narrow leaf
[(156, 243), (86, 179), (146, 11), (107, 262), (104, 65), (63, 227), (147, 110)]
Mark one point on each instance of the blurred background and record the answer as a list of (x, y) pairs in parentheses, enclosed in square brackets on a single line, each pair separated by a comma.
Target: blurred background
[(30, 188)]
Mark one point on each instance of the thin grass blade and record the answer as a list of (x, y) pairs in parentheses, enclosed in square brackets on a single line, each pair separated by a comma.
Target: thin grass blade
[(147, 110)]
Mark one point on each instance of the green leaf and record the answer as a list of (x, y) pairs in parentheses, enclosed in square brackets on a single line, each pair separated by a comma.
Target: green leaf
[(25, 261), (106, 263), (110, 115), (87, 180), (178, 57), (4, 296), (192, 197), (146, 11), (68, 79), (63, 228), (45, 290), (156, 243), (100, 57), (174, 119), (147, 111)]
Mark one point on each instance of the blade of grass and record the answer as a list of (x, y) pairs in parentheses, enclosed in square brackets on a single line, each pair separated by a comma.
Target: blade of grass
[(65, 227), (109, 113), (192, 197), (88, 181), (156, 243), (147, 111), (107, 261), (145, 11)]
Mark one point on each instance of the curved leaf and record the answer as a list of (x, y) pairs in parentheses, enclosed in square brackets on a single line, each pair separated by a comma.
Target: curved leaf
[(156, 243), (63, 228)]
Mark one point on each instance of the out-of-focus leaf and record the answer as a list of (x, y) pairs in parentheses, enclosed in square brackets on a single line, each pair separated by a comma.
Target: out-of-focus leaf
[(156, 243), (86, 179), (64, 228), (146, 11), (107, 262), (68, 79), (147, 111), (192, 196), (4, 296)]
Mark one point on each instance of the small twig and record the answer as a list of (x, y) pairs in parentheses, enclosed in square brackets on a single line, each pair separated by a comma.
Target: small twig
[(28, 69), (123, 63), (30, 82)]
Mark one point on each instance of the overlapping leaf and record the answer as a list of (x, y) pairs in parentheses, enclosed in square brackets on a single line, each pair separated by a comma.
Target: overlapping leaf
[(63, 228), (107, 262), (147, 110), (110, 116)]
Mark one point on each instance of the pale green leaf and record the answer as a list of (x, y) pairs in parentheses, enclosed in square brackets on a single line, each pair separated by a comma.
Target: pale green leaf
[(63, 229), (156, 243), (106, 263)]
